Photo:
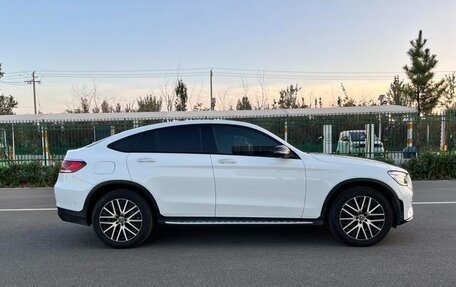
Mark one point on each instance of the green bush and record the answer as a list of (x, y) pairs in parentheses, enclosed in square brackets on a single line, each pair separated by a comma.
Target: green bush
[(432, 166), (29, 174), (384, 159)]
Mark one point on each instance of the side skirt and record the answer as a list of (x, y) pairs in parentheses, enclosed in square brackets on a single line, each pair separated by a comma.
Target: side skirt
[(235, 220)]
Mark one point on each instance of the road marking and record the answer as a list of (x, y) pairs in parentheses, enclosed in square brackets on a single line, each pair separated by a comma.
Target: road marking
[(433, 202), (29, 209)]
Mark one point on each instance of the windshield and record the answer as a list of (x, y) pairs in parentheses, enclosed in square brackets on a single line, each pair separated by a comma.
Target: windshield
[(359, 136)]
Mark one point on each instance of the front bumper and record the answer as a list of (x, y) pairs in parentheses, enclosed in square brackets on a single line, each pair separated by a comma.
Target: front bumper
[(405, 198)]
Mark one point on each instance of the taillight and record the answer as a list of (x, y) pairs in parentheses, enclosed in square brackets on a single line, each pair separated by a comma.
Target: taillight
[(70, 166)]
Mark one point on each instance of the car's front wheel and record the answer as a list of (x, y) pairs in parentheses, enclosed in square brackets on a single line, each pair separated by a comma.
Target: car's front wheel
[(360, 216), (122, 219)]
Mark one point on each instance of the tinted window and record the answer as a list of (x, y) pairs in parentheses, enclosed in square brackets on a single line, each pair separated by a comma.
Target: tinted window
[(237, 140), (359, 136), (148, 142), (127, 144), (208, 141), (181, 139)]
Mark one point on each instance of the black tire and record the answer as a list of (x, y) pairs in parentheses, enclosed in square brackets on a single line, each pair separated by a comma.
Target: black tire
[(360, 228), (126, 212)]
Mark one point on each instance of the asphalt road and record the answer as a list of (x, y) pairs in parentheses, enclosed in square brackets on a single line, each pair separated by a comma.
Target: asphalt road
[(37, 249)]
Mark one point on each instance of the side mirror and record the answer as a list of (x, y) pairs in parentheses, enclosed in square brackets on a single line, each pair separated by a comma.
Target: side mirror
[(281, 151)]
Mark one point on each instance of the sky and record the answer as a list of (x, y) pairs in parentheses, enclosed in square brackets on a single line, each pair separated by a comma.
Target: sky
[(129, 49)]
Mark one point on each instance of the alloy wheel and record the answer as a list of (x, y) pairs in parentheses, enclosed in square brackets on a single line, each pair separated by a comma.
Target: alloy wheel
[(362, 217), (120, 220)]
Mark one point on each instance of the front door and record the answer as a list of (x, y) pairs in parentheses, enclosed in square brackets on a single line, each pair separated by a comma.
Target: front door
[(250, 181)]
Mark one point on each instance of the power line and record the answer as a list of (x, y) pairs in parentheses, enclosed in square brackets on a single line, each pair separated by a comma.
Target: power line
[(225, 69), (12, 83), (302, 76), (321, 72), (224, 72), (125, 71), (118, 76), (17, 72), (178, 70)]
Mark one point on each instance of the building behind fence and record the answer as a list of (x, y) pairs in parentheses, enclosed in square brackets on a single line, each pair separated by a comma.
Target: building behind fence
[(393, 132)]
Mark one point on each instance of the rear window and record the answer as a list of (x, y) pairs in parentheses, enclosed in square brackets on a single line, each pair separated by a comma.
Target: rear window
[(127, 144), (179, 139)]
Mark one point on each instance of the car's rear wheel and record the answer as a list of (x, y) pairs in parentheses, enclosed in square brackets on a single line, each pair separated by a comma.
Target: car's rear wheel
[(360, 216), (122, 219)]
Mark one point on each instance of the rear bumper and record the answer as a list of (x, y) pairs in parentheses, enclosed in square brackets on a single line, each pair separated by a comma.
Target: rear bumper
[(78, 217), (71, 192)]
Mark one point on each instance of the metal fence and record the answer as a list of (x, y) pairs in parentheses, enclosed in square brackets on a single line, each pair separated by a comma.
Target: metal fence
[(393, 136)]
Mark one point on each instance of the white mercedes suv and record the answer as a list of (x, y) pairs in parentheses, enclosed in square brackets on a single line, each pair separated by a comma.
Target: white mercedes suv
[(225, 172)]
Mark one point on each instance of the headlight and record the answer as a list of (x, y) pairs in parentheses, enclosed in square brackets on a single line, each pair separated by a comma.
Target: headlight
[(400, 177)]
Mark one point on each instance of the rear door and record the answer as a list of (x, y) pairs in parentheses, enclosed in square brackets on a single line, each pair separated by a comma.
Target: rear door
[(250, 181), (171, 164)]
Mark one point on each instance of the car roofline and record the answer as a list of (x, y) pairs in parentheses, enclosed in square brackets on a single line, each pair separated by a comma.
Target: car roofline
[(133, 131)]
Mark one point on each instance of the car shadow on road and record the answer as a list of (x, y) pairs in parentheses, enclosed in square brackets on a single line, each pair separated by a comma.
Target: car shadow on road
[(224, 235)]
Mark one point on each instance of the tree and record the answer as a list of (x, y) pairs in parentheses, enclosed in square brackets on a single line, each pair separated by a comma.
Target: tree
[(223, 99), (365, 103), (149, 103), (129, 108), (346, 101), (199, 107), (288, 98), (118, 108), (448, 99), (261, 98), (243, 104), (86, 100), (106, 107), (181, 96), (7, 104), (422, 91), (167, 96), (83, 106), (397, 93)]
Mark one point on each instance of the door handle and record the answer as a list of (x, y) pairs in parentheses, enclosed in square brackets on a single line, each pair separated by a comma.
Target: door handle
[(227, 161), (145, 159)]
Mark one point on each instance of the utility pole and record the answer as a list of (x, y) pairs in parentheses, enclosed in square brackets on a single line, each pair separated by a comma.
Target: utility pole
[(33, 81), (212, 102)]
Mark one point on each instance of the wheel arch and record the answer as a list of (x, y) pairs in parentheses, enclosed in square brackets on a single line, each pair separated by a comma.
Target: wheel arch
[(101, 189), (386, 190)]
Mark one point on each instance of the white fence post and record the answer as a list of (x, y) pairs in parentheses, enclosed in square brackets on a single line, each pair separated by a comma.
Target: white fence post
[(410, 134), (13, 143), (45, 145), (286, 131), (443, 145), (327, 138), (369, 142)]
